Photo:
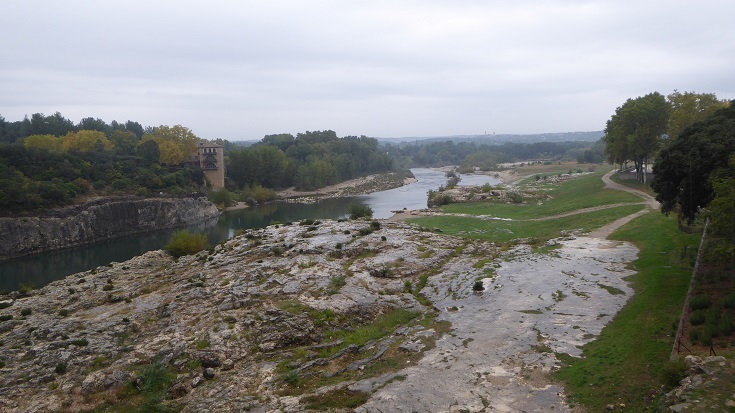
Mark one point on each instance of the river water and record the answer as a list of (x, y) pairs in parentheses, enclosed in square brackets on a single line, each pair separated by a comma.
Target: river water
[(38, 270)]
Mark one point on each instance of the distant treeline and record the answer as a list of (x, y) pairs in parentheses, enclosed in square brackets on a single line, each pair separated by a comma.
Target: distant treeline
[(471, 155)]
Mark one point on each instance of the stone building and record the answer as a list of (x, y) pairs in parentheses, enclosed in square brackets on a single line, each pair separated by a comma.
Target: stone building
[(211, 158)]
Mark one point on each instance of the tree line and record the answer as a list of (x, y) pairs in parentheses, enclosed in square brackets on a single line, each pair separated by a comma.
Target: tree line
[(690, 137), (470, 155)]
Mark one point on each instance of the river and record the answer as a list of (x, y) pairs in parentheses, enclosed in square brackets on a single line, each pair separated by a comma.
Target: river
[(39, 270)]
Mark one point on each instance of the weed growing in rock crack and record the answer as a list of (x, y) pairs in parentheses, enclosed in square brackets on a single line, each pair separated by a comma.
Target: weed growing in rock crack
[(336, 399), (336, 283), (558, 295), (81, 342), (60, 368), (202, 344)]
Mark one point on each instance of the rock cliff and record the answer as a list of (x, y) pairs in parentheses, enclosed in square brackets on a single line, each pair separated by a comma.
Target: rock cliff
[(98, 220)]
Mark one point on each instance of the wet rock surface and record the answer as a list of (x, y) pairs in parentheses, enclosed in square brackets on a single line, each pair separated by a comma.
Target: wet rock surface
[(264, 322)]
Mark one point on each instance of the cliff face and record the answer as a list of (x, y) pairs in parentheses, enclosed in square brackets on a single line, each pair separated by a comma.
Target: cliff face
[(97, 221)]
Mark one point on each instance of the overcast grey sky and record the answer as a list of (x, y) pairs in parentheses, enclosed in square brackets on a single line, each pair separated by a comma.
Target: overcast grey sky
[(243, 69)]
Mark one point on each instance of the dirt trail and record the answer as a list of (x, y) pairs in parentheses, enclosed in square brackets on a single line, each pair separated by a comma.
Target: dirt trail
[(606, 230)]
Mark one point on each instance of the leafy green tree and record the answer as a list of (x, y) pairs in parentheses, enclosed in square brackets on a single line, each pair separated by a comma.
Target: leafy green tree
[(176, 143), (148, 151), (685, 166), (690, 107), (124, 141), (45, 142), (86, 141), (94, 124), (635, 132)]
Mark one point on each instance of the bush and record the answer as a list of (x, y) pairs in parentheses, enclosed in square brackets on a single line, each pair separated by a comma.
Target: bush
[(729, 300), (222, 197), (60, 368), (697, 317), (673, 372), (477, 286), (26, 312), (360, 211), (185, 243), (700, 302)]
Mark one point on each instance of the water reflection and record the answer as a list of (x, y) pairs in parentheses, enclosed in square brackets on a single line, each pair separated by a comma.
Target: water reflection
[(38, 270)]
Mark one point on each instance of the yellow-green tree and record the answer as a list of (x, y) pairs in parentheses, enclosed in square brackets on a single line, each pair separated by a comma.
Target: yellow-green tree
[(176, 143), (86, 141), (48, 142), (690, 107)]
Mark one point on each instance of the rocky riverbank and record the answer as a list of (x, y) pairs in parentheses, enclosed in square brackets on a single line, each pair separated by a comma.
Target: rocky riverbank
[(311, 316), (98, 220), (359, 186)]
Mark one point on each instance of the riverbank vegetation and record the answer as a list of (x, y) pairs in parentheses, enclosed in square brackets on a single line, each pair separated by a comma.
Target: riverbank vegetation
[(585, 198)]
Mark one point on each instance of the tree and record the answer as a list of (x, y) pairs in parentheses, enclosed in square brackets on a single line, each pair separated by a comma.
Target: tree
[(93, 124), (686, 164), (46, 142), (86, 141), (148, 151), (125, 141), (176, 143), (690, 107), (635, 131)]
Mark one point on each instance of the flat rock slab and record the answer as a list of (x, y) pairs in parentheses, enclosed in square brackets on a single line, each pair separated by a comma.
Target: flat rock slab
[(500, 351)]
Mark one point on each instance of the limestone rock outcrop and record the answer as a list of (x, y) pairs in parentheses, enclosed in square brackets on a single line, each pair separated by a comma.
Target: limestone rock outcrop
[(97, 221)]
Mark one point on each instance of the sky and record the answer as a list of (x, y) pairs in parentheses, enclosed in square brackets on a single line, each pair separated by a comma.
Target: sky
[(240, 70)]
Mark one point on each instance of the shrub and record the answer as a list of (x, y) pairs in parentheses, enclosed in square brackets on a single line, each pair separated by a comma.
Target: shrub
[(700, 302), (673, 372), (515, 197), (63, 312), (185, 243), (81, 342), (477, 286), (60, 368), (6, 317), (697, 317), (360, 211), (729, 300), (26, 312)]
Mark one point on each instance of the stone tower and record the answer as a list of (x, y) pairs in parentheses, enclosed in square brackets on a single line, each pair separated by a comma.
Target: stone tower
[(211, 158)]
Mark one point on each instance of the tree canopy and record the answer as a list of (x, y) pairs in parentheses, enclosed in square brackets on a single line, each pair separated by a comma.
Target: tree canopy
[(635, 131), (688, 163)]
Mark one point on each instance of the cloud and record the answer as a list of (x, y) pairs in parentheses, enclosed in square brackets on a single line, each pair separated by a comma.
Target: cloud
[(243, 69)]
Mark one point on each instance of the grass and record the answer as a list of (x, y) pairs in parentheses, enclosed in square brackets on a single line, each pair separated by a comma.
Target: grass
[(627, 363), (504, 231), (584, 192), (632, 183)]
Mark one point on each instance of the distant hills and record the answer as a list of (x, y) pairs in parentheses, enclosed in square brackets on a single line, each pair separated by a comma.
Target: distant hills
[(592, 136), (494, 139)]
